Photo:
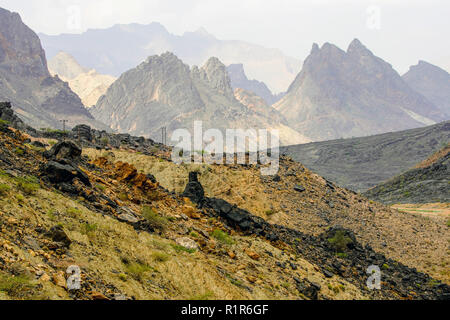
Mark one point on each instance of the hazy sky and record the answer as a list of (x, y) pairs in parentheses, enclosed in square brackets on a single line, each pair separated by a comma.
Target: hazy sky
[(399, 31)]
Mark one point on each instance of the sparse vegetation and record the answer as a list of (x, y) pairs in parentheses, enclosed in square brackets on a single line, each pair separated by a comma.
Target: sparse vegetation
[(18, 287), (4, 189), (222, 237), (28, 184), (153, 218), (160, 256), (137, 269), (202, 297), (340, 241)]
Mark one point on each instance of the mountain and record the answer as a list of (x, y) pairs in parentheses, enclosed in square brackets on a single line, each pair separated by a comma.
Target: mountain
[(342, 94), (89, 85), (428, 182), (165, 92), (122, 47), (363, 163), (432, 82), (40, 99), (65, 66), (239, 80)]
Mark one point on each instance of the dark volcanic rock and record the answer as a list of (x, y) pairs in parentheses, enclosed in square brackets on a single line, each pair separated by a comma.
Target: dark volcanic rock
[(194, 189), (59, 173), (58, 234), (64, 150)]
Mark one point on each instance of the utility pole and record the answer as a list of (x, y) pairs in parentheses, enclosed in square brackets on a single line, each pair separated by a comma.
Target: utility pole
[(64, 128), (164, 135)]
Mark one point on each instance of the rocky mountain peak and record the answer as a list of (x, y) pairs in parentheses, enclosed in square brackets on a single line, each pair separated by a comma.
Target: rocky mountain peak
[(20, 47), (217, 75)]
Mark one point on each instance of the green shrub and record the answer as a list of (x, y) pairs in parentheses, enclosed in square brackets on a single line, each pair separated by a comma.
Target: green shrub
[(340, 241), (4, 189), (179, 248), (19, 151), (28, 185), (16, 286), (222, 237), (155, 220), (160, 256), (137, 269), (202, 297), (88, 229)]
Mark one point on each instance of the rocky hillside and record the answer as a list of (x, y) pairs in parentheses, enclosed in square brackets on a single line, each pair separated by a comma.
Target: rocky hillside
[(363, 163), (89, 85), (353, 93), (432, 82), (164, 92), (239, 80), (39, 99), (133, 238), (98, 49), (428, 182)]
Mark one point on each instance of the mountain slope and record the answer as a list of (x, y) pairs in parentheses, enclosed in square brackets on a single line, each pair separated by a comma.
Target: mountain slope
[(39, 99), (89, 85), (342, 94), (99, 49), (164, 92), (363, 163), (239, 80), (428, 182), (432, 82), (134, 239)]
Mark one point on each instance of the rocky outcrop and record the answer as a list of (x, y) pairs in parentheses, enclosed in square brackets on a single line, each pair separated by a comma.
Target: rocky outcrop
[(164, 92), (38, 98), (239, 80), (432, 82), (353, 93)]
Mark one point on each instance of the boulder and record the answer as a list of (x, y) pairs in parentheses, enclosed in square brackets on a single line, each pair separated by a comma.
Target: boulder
[(58, 234), (187, 243), (194, 190), (59, 173), (64, 150)]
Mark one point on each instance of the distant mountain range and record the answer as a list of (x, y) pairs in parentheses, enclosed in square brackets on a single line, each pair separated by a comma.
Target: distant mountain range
[(432, 82), (38, 98), (363, 163), (122, 47), (165, 92), (342, 94), (87, 84)]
